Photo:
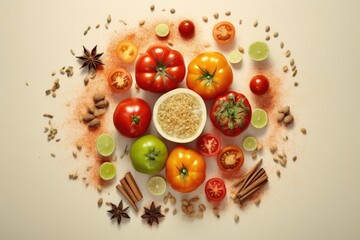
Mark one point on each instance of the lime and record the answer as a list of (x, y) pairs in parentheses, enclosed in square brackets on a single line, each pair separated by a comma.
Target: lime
[(162, 30), (157, 185), (105, 145), (259, 118), (250, 143), (107, 171), (258, 51), (235, 56)]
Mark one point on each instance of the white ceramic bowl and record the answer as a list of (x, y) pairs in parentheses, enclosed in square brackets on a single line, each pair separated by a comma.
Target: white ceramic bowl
[(202, 109)]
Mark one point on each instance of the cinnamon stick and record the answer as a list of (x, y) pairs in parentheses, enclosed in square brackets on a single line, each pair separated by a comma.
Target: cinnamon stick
[(247, 174), (243, 198), (254, 177), (128, 190), (262, 179), (123, 192), (133, 185)]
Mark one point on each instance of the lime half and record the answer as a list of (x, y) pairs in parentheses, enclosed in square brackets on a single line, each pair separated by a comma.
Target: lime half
[(235, 56), (250, 143), (258, 51), (162, 30), (105, 145), (259, 118), (157, 185), (107, 171)]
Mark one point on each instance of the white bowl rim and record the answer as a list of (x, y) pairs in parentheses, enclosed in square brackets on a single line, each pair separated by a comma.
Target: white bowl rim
[(163, 97)]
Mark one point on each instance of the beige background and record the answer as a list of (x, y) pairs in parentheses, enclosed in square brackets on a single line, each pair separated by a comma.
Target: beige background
[(316, 199)]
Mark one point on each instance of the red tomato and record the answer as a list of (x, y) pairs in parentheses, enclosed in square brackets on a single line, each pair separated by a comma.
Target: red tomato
[(132, 117), (208, 145), (160, 69), (223, 32), (259, 84), (120, 80), (230, 159), (187, 29), (215, 189), (231, 113)]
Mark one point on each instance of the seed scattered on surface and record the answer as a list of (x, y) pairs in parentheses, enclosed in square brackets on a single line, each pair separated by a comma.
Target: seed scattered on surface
[(123, 22), (202, 207), (276, 34), (294, 73), (172, 200), (166, 209), (57, 140), (285, 110), (207, 44), (79, 146), (293, 68), (99, 188), (240, 21), (280, 117), (72, 52), (285, 68), (53, 73), (257, 202), (296, 84), (303, 131), (253, 155), (227, 13), (106, 26), (100, 202), (98, 97), (241, 49), (288, 119), (97, 26), (108, 20), (174, 211), (255, 24), (278, 173), (170, 43), (273, 148), (216, 15), (283, 162), (292, 62), (294, 158), (94, 123), (282, 45), (276, 160), (267, 28), (259, 146), (86, 81), (62, 70), (102, 104), (92, 75), (205, 19), (152, 7), (172, 11), (287, 53), (88, 117), (74, 154), (53, 155), (69, 71), (236, 218), (267, 38), (91, 109), (48, 115), (141, 22), (99, 112)]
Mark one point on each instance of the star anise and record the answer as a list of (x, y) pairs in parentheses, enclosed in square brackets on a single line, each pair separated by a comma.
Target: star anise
[(91, 59), (118, 212), (152, 214)]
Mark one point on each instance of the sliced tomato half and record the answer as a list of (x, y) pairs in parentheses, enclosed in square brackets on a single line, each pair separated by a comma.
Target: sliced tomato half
[(230, 159), (120, 80), (215, 189), (208, 145), (223, 32), (126, 51)]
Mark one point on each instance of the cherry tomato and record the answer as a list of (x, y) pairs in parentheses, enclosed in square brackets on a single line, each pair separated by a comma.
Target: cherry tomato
[(259, 84), (120, 80), (187, 29), (127, 51), (223, 32), (208, 145), (230, 159), (132, 117), (215, 189)]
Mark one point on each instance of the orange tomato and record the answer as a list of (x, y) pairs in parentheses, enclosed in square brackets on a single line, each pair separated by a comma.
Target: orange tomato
[(185, 169), (223, 32), (127, 51), (209, 74)]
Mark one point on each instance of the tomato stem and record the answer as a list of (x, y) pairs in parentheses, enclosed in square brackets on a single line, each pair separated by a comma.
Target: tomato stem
[(152, 154), (183, 172), (135, 120), (208, 78)]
